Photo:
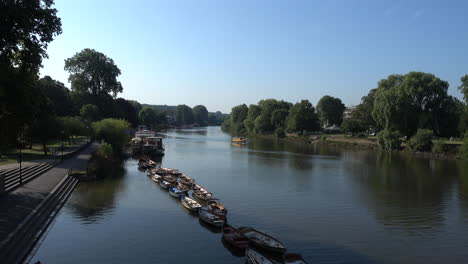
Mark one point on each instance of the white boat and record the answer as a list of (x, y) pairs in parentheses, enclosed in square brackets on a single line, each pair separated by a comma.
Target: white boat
[(157, 178), (190, 204), (165, 184)]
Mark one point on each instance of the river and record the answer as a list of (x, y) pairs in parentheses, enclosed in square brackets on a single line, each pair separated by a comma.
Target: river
[(330, 205)]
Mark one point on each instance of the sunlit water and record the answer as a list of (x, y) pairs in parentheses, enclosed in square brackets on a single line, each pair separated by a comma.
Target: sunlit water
[(330, 205)]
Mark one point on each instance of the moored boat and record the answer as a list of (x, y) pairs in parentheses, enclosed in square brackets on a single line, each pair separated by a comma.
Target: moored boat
[(235, 238), (186, 180), (293, 258), (170, 178), (190, 204), (176, 192), (182, 186), (263, 240), (202, 196), (165, 171), (156, 178), (216, 207), (209, 218), (165, 184), (254, 257)]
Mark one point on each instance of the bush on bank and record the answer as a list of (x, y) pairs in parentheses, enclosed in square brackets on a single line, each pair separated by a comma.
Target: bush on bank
[(421, 141), (463, 152), (102, 161), (114, 132), (389, 140), (439, 147)]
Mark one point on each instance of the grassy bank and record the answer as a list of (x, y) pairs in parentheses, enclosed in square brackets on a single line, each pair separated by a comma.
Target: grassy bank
[(36, 151), (449, 148)]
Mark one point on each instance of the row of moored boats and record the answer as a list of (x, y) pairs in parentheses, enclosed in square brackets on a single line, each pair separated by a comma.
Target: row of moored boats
[(259, 247)]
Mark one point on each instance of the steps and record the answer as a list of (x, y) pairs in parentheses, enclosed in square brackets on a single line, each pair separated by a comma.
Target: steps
[(17, 246), (12, 176)]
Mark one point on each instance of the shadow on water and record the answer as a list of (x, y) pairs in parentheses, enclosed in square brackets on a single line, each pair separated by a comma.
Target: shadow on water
[(326, 253), (212, 229), (463, 188), (234, 251), (411, 195), (94, 200)]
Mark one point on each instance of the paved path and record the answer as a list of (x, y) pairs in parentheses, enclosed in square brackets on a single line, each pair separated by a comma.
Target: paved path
[(48, 158), (15, 206)]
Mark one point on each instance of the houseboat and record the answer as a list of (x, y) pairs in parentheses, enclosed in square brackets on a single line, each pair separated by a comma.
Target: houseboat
[(146, 142)]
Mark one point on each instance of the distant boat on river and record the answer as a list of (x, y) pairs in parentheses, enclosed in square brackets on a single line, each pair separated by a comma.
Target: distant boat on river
[(239, 140)]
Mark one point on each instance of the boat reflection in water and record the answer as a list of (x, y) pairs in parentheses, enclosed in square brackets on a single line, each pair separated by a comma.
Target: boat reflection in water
[(211, 228), (233, 250)]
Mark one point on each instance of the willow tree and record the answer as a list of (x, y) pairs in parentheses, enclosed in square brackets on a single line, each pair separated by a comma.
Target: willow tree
[(408, 102)]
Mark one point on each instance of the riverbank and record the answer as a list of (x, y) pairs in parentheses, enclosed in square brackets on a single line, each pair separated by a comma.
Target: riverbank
[(449, 149)]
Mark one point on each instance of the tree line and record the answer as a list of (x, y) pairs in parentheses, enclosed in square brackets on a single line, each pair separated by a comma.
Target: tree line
[(402, 106), (278, 117), (39, 109)]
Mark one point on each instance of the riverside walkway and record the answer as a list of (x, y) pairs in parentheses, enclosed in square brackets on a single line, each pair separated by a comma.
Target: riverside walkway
[(16, 205)]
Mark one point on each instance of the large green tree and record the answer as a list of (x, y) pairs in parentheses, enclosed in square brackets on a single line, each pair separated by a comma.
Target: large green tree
[(265, 123), (113, 131), (302, 117), (361, 116), (463, 126), (148, 116), (330, 111), (58, 94), (90, 113), (45, 125), (72, 126), (184, 115), (252, 114), (93, 72), (235, 122), (200, 114), (464, 87), (26, 29), (125, 110), (407, 102)]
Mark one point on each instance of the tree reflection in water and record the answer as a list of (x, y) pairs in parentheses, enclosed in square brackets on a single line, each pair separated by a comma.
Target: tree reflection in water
[(93, 200), (404, 190)]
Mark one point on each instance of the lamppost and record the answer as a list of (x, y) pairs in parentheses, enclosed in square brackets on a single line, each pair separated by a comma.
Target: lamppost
[(20, 158), (62, 135)]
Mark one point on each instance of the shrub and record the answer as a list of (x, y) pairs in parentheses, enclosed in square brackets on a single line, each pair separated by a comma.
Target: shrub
[(389, 140), (279, 132), (105, 151), (113, 131), (463, 152), (439, 147), (421, 141), (102, 162)]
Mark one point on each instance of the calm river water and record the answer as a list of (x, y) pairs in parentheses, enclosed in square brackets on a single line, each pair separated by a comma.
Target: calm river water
[(330, 205)]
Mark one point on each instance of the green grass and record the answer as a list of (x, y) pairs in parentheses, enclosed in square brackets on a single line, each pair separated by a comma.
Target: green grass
[(36, 152), (453, 142)]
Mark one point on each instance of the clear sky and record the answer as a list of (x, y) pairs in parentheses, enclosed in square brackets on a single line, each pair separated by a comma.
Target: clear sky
[(224, 53)]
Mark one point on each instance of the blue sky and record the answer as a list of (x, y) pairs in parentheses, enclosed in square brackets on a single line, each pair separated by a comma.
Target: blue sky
[(224, 53)]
